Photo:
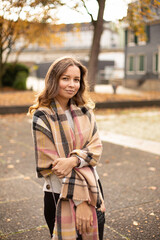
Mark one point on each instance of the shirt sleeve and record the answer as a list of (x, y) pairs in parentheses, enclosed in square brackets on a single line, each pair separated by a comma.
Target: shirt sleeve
[(83, 163)]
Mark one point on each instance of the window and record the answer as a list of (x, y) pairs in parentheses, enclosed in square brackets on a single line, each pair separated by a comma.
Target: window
[(131, 64), (141, 64), (155, 63), (142, 39), (131, 38)]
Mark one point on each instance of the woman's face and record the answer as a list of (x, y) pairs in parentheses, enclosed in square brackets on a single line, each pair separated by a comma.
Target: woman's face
[(69, 83)]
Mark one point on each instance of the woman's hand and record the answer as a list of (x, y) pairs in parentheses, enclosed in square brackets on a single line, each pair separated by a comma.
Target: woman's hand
[(102, 208), (84, 218), (63, 166)]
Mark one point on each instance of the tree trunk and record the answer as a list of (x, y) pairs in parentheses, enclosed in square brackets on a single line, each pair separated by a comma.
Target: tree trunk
[(95, 48), (1, 50)]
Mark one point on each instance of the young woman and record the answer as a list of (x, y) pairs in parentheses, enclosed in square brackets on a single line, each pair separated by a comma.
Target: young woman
[(67, 149)]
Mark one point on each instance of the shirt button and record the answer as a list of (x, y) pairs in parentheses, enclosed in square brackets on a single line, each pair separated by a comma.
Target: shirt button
[(48, 186)]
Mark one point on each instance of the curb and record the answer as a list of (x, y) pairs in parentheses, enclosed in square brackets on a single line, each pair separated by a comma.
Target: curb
[(99, 105), (13, 109), (128, 104)]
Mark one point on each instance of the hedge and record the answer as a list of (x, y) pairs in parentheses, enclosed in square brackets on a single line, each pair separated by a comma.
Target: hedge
[(15, 76)]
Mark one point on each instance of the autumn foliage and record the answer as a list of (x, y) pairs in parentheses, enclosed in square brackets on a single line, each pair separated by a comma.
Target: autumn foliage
[(140, 13), (23, 23)]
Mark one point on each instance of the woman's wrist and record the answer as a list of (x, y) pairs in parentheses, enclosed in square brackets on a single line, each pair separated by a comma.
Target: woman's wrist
[(76, 161)]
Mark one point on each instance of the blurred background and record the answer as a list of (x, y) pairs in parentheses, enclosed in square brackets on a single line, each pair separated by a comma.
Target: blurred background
[(118, 41)]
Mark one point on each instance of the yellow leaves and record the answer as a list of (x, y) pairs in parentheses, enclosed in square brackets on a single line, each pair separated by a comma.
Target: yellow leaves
[(42, 34), (139, 12), (35, 29)]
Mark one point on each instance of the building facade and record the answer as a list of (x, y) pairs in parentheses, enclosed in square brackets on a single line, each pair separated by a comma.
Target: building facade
[(76, 40), (142, 58)]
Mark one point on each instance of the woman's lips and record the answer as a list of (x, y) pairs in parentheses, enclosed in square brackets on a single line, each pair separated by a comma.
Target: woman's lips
[(70, 91)]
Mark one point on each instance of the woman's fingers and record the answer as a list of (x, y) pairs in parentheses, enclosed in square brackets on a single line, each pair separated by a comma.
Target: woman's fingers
[(84, 226), (88, 226), (54, 163), (91, 220), (84, 218), (79, 225)]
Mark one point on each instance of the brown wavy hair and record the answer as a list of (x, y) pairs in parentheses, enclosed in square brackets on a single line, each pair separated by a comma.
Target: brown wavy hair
[(53, 75)]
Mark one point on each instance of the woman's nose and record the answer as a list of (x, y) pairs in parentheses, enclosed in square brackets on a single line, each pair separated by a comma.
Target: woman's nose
[(71, 82)]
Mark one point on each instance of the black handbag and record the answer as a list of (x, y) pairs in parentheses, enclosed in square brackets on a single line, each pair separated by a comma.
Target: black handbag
[(100, 217)]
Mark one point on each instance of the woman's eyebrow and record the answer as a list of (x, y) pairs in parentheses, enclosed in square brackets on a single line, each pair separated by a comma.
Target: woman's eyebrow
[(69, 76)]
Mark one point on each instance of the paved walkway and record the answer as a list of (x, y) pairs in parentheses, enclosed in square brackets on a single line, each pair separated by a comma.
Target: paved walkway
[(130, 179), (138, 128), (107, 88)]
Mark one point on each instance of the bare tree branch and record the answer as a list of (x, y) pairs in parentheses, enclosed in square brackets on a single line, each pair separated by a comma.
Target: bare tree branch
[(92, 19)]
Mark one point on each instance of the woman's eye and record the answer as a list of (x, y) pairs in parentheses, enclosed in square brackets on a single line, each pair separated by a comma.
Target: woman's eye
[(65, 78), (77, 80)]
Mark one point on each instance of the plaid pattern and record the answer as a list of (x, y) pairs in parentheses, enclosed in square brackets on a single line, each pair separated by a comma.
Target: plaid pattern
[(65, 228), (80, 184), (54, 138)]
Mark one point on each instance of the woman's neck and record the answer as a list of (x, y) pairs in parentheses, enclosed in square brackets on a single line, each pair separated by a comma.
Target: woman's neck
[(63, 103)]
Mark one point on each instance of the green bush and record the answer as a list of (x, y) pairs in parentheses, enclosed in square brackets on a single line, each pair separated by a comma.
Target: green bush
[(11, 77), (20, 81)]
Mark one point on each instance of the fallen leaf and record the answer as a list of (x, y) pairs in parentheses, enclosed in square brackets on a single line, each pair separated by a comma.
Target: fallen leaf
[(105, 174), (23, 154), (118, 164), (141, 209), (27, 178), (152, 214), (152, 169), (107, 161), (135, 223), (12, 141), (10, 166), (152, 188), (99, 164)]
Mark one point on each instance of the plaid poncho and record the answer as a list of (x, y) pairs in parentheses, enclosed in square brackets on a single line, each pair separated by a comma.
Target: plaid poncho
[(54, 138)]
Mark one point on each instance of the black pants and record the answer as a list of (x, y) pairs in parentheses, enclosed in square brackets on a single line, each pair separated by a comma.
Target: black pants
[(50, 210)]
